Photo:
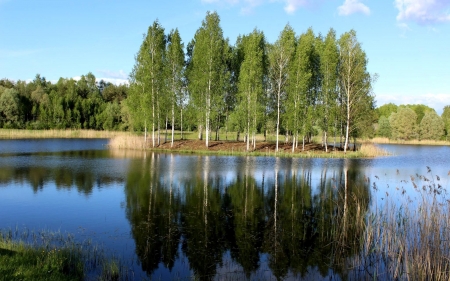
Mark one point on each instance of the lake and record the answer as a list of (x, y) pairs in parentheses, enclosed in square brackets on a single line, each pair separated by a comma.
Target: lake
[(170, 216)]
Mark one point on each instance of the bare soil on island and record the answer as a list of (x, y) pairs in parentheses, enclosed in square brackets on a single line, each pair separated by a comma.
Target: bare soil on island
[(240, 146)]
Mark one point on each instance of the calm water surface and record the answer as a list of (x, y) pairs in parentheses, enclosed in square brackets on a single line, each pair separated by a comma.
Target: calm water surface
[(174, 216)]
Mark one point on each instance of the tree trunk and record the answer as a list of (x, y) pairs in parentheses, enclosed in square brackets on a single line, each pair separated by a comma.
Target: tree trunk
[(173, 124)]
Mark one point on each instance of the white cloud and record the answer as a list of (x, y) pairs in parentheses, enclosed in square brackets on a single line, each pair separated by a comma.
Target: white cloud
[(114, 81), (113, 74), (293, 5), (436, 101), (353, 6), (423, 11)]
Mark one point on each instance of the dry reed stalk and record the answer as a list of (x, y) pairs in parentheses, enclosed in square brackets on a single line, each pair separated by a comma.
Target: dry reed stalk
[(423, 142), (69, 133), (371, 150), (127, 142), (407, 240)]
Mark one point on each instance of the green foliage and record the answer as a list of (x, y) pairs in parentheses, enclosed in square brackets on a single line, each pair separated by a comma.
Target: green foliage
[(403, 124), (206, 71), (386, 110), (420, 110), (384, 127), (356, 87), (251, 83), (281, 55), (431, 126), (301, 96), (10, 108), (446, 118)]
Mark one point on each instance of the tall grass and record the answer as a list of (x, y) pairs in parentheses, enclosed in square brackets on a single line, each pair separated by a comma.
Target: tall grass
[(70, 133), (43, 255), (423, 142), (370, 150), (406, 239)]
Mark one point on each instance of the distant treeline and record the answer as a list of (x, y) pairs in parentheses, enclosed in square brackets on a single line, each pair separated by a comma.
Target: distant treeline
[(82, 104), (417, 121)]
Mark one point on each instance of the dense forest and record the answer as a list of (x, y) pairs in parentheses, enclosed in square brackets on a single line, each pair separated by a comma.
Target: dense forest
[(417, 121), (299, 86)]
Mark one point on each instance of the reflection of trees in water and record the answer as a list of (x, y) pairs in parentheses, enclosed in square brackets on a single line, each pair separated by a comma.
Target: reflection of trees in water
[(61, 173), (152, 210), (299, 225)]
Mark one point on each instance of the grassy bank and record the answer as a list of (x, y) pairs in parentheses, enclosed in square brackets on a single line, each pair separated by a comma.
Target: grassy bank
[(26, 255), (70, 133)]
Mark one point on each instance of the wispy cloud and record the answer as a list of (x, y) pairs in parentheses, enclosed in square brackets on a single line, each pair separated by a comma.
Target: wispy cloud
[(404, 29), (247, 6), (352, 7), (423, 11)]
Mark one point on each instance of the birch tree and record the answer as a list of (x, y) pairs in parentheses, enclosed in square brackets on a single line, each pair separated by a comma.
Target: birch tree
[(206, 69), (301, 87), (147, 79), (251, 88), (354, 83), (175, 66), (329, 58), (280, 57)]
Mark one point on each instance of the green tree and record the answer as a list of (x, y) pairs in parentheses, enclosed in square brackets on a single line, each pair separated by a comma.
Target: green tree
[(329, 59), (175, 67), (251, 79), (10, 108), (206, 67), (386, 110), (403, 124), (431, 126), (355, 84), (384, 127), (147, 80), (280, 57), (420, 110), (446, 118), (301, 94)]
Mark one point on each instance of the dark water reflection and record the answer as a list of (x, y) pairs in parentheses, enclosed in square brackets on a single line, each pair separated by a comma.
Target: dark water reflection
[(256, 215), (174, 216)]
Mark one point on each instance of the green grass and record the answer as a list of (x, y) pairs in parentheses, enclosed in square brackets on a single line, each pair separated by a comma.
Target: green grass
[(53, 256)]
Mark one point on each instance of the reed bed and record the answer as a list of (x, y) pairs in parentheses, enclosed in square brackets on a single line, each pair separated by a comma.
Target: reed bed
[(416, 142), (370, 150), (70, 133), (406, 239)]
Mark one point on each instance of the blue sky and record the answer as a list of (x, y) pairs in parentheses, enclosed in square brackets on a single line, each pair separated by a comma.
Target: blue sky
[(407, 41)]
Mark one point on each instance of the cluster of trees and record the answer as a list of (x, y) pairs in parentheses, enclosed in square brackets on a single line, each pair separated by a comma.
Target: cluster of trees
[(418, 121), (40, 104), (297, 86)]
